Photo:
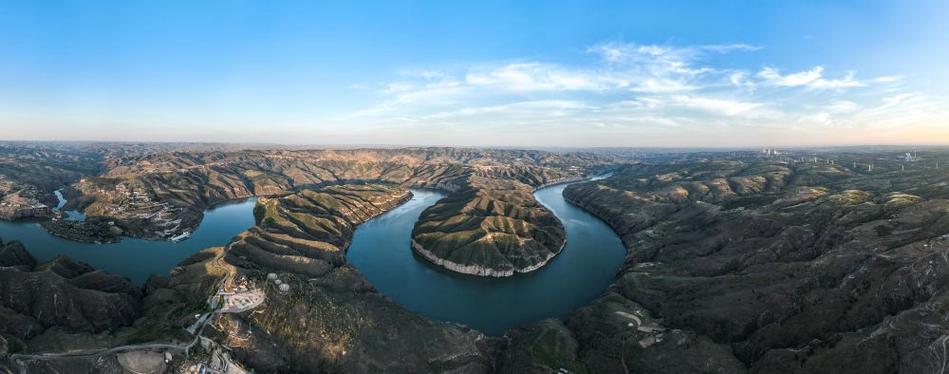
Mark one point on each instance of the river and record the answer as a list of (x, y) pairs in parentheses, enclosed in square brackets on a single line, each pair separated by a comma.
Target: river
[(583, 270), (380, 250), (136, 259)]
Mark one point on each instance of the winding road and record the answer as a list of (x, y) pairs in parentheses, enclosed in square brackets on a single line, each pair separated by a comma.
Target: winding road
[(17, 359)]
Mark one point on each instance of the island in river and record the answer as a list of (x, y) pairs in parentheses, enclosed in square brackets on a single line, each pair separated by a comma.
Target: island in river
[(739, 262), (493, 227)]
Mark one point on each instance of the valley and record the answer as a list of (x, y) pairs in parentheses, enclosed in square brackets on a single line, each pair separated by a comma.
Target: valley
[(743, 261)]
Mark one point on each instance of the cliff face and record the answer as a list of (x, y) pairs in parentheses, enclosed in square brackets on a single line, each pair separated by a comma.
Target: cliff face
[(769, 267)]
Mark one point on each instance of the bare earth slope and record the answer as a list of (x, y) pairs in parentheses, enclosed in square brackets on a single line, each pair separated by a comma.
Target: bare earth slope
[(770, 268), (331, 319), (492, 228), (734, 265), (58, 297), (489, 208)]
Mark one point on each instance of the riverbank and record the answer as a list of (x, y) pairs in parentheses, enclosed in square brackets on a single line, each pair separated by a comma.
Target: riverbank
[(476, 269), (136, 259), (587, 262), (97, 231)]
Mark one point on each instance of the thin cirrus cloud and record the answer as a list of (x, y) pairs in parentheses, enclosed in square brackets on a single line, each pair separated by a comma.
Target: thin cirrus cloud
[(628, 88), (813, 78)]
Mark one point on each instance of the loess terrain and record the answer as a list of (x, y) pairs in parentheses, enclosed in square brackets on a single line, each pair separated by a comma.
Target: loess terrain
[(808, 262), (771, 267), (489, 208), (494, 227)]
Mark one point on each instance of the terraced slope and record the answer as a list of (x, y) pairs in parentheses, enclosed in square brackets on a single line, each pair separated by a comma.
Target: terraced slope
[(734, 266), (488, 225), (494, 227), (769, 267), (331, 319), (29, 173), (164, 194), (308, 231)]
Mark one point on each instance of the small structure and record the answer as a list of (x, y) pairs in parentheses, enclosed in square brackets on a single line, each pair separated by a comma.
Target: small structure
[(271, 276), (284, 287), (142, 361)]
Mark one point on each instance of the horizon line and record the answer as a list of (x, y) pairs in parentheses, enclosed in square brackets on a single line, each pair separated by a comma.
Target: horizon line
[(489, 146)]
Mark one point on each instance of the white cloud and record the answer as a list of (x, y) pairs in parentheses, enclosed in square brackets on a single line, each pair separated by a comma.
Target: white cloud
[(398, 87), (632, 87), (813, 78), (902, 99), (843, 106), (717, 106), (540, 108), (535, 77), (661, 85), (660, 55)]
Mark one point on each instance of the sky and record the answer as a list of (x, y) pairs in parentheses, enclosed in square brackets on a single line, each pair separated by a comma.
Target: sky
[(477, 73)]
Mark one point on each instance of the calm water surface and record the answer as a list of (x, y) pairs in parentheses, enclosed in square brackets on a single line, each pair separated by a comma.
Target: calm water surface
[(135, 258), (587, 265), (380, 250)]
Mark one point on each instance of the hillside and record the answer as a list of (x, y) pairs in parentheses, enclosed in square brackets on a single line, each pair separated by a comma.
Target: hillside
[(771, 267)]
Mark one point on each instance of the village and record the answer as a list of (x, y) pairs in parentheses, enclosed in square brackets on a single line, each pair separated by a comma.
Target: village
[(19, 201), (135, 203)]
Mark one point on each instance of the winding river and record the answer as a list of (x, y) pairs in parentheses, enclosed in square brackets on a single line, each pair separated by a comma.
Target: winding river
[(588, 264), (380, 250), (136, 259)]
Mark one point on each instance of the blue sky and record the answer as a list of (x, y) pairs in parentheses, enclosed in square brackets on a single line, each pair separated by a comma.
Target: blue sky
[(528, 73)]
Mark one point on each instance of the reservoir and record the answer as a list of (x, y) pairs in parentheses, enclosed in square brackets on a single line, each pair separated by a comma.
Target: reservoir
[(580, 273), (136, 259)]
